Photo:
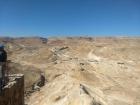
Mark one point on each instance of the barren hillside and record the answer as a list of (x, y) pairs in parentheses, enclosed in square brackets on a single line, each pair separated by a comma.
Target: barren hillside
[(79, 71)]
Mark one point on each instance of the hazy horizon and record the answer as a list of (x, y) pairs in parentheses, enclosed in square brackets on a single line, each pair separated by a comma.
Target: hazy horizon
[(63, 36)]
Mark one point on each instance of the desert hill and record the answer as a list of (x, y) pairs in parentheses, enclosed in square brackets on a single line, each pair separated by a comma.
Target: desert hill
[(79, 70)]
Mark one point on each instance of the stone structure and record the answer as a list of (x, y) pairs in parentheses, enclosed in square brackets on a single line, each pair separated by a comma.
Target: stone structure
[(13, 92)]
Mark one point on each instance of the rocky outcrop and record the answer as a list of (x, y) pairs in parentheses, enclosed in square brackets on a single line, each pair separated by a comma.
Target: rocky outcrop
[(13, 92)]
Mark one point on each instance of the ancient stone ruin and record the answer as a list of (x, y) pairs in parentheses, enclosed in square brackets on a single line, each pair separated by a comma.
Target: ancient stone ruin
[(13, 92)]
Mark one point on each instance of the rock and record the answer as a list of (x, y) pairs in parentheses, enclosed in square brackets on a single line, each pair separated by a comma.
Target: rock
[(121, 63)]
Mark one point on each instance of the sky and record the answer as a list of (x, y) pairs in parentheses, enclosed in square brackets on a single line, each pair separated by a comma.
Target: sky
[(69, 18)]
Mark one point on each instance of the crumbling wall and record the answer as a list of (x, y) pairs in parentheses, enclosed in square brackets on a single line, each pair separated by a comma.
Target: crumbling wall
[(13, 92)]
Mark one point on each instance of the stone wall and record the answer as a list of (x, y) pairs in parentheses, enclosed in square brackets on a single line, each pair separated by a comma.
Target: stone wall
[(13, 92)]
